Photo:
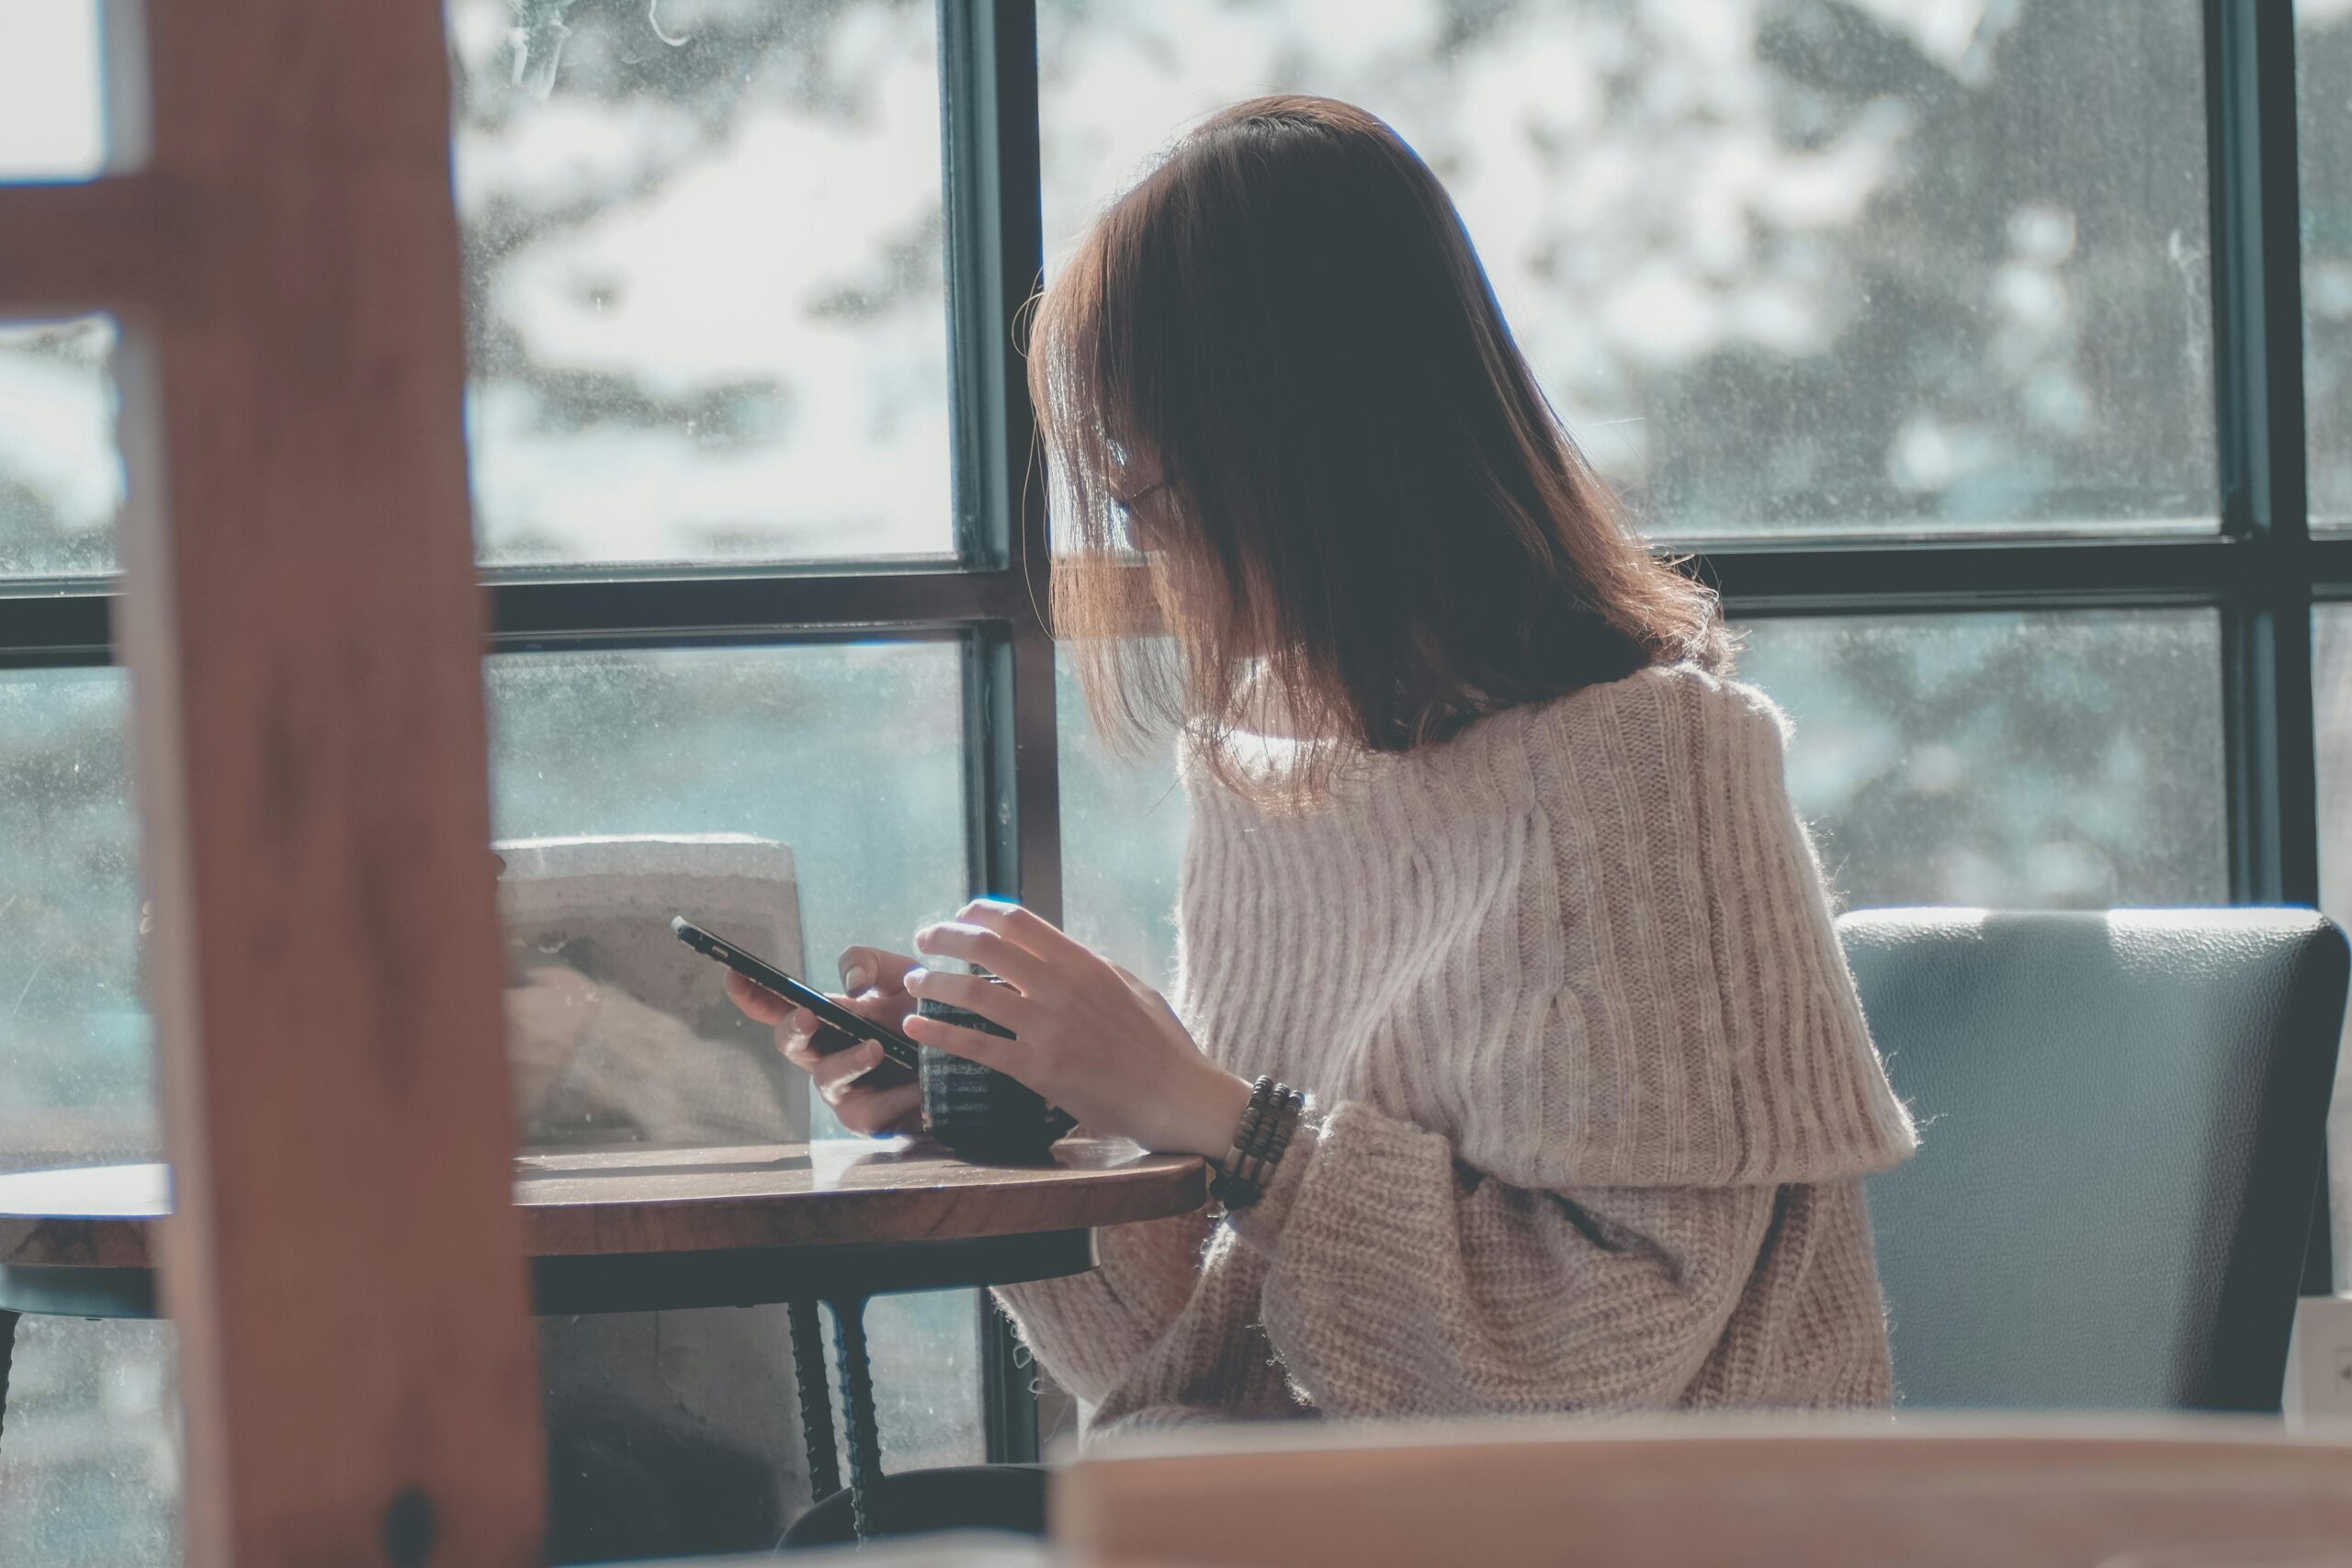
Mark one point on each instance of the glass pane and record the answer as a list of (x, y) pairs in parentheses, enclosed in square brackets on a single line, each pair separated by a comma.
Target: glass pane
[(2048, 760), (1878, 266), (52, 85), (2324, 135), (851, 755), (89, 1471), (2332, 685), (1124, 824), (77, 1068), (61, 468), (705, 277)]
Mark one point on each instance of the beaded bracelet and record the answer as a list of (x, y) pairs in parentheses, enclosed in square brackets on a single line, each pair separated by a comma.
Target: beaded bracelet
[(1258, 1144)]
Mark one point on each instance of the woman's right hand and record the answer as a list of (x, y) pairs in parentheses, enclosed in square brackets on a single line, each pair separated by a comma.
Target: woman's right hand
[(873, 987)]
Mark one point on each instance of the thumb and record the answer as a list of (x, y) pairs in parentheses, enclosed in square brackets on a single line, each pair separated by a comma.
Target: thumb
[(865, 969)]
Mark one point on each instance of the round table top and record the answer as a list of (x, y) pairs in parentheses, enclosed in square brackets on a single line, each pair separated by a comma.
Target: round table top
[(633, 1199)]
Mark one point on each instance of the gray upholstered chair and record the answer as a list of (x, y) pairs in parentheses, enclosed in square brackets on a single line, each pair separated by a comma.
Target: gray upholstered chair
[(2122, 1118)]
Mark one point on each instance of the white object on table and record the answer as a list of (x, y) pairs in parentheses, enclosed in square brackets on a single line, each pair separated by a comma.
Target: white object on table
[(618, 1031)]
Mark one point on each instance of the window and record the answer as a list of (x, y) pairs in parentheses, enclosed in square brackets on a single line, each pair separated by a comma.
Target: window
[(52, 106), (2324, 104), (2333, 683), (1874, 269), (704, 268), (1934, 327), (61, 471)]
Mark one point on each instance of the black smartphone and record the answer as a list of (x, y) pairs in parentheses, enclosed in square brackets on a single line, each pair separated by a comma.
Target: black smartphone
[(895, 1047)]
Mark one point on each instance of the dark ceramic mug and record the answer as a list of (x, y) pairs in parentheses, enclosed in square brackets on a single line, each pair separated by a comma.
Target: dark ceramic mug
[(978, 1113)]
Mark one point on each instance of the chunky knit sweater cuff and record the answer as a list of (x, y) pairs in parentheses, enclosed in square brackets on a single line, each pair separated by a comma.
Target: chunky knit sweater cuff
[(1261, 1223)]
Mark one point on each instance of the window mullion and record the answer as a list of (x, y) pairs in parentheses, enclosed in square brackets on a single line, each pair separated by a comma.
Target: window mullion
[(2258, 402), (2258, 398), (989, 86)]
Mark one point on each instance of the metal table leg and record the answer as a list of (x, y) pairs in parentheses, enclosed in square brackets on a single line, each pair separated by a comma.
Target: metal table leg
[(816, 1400), (7, 1356), (858, 1417)]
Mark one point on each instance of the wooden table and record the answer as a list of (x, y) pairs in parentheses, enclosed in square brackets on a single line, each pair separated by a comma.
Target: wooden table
[(638, 1229)]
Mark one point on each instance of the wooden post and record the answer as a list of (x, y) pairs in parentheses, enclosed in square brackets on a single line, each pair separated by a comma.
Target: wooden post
[(304, 631)]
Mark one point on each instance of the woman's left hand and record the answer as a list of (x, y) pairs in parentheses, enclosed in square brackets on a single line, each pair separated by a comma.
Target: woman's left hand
[(1091, 1038)]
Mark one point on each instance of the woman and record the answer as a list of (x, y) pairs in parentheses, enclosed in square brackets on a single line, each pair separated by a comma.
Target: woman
[(1488, 857)]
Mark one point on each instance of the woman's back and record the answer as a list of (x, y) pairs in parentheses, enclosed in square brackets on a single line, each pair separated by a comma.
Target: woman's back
[(1594, 1094)]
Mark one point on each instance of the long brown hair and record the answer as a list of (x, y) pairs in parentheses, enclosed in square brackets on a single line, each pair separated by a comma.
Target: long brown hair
[(1277, 365)]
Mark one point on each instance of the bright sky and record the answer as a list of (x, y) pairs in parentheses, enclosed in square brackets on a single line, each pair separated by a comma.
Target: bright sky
[(53, 120)]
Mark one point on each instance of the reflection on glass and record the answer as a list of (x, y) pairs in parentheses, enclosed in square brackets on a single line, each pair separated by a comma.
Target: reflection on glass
[(705, 275), (2323, 138), (2332, 689), (2046, 760), (52, 87), (1872, 266), (61, 470)]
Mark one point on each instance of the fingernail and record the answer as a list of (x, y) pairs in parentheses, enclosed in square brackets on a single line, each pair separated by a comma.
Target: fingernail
[(915, 978), (855, 977)]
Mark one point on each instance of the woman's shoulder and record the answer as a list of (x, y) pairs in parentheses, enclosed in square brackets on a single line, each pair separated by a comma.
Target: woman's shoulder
[(1660, 722), (1638, 738), (1662, 702)]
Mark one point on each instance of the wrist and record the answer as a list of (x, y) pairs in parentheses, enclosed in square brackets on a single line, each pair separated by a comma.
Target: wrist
[(1218, 1114)]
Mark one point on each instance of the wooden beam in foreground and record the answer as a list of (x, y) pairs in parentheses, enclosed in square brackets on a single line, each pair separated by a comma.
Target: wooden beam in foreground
[(304, 633)]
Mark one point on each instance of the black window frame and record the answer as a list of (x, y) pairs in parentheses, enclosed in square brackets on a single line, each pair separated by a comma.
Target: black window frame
[(2262, 572)]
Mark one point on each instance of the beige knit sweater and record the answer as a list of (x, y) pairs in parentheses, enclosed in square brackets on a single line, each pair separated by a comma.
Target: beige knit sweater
[(1590, 1089)]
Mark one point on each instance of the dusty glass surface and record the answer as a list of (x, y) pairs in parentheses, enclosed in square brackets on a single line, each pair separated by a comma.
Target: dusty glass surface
[(1123, 823), (705, 279), (52, 91), (89, 1469), (90, 1474), (851, 754), (2043, 761), (61, 468), (2332, 689), (76, 1075), (2324, 143), (1783, 265)]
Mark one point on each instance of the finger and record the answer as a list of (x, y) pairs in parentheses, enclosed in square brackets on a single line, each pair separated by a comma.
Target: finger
[(998, 1004), (873, 968), (757, 1002), (987, 1050), (989, 950), (884, 1007), (876, 1112), (1026, 929), (844, 1068), (808, 1039)]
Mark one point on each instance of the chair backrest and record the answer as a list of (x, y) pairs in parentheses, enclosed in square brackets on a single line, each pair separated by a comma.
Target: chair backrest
[(2121, 1119), (1676, 1493), (618, 1031)]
